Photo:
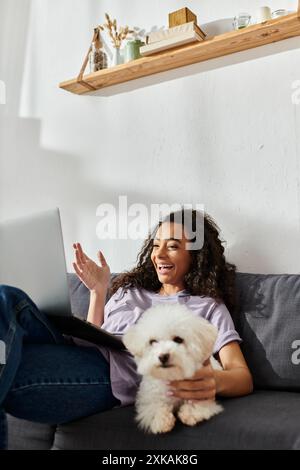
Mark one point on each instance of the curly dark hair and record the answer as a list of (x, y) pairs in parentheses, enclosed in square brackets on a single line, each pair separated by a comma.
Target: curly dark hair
[(209, 275)]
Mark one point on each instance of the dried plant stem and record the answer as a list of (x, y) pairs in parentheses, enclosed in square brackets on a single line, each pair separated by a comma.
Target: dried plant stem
[(116, 36)]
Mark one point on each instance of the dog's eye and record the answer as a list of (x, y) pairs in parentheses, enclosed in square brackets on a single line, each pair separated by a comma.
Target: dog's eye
[(152, 341), (178, 340)]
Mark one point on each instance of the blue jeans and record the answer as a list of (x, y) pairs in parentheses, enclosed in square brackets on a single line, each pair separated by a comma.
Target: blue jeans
[(44, 377)]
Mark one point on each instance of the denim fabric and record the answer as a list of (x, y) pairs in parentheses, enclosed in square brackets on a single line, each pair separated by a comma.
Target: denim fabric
[(46, 379)]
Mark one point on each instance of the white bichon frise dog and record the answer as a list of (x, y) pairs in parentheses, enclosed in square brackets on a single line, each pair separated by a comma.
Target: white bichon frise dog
[(169, 342)]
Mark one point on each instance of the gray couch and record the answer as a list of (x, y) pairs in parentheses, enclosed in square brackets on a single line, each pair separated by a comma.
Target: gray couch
[(268, 320)]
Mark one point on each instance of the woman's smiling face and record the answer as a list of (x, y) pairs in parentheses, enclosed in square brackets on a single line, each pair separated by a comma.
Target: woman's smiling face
[(170, 257)]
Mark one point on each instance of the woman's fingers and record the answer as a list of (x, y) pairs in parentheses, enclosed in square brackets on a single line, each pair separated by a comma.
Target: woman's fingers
[(81, 257), (77, 270), (202, 386), (78, 259), (101, 259)]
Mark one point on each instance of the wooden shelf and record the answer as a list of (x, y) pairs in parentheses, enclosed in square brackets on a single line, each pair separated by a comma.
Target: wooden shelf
[(235, 41)]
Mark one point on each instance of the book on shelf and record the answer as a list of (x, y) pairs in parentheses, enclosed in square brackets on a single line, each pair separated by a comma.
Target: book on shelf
[(170, 43), (161, 35)]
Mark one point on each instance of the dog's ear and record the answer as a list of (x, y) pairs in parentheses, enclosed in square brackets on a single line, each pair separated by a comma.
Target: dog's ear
[(133, 340), (205, 335)]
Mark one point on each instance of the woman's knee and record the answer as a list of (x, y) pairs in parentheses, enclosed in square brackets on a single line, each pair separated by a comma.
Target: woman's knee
[(10, 293), (13, 299)]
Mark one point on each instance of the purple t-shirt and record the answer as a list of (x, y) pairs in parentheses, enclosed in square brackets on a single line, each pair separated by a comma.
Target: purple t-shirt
[(126, 306)]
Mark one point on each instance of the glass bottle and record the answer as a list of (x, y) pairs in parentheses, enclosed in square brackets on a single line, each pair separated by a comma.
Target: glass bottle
[(97, 58)]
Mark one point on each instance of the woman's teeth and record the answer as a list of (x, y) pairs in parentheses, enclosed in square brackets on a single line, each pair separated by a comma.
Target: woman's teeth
[(163, 269)]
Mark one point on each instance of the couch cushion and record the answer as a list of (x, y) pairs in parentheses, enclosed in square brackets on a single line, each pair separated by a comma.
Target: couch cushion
[(263, 420), (24, 435), (80, 296), (268, 320)]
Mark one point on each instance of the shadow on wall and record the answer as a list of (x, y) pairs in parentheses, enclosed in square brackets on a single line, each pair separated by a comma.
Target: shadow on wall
[(12, 66), (33, 179)]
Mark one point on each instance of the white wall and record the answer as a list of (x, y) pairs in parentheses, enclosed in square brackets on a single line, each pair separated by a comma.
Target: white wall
[(224, 133)]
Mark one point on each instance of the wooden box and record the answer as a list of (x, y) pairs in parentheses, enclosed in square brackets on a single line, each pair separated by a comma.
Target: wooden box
[(184, 15)]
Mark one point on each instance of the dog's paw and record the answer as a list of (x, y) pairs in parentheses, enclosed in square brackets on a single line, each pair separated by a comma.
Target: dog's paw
[(162, 422), (187, 416), (193, 413)]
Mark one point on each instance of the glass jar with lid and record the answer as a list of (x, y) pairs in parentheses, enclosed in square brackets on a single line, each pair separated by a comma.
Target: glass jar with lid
[(97, 56)]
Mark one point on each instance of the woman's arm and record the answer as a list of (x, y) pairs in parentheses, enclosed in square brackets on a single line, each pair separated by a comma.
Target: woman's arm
[(96, 279), (96, 307), (235, 380)]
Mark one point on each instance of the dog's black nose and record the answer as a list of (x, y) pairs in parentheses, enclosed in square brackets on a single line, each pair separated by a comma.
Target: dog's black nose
[(164, 358)]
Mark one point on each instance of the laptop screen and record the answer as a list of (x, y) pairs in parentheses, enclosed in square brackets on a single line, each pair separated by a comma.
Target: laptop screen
[(32, 258)]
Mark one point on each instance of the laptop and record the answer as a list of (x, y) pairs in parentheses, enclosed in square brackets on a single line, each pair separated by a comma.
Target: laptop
[(32, 258)]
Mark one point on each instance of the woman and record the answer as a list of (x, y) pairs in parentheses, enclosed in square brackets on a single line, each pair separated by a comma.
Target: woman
[(50, 379)]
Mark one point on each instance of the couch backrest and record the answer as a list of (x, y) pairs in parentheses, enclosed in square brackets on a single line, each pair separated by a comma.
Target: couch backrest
[(268, 320)]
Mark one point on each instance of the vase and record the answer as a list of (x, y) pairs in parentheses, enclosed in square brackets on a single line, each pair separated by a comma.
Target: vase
[(117, 58)]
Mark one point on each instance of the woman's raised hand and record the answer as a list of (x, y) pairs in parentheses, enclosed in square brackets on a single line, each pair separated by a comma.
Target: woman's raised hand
[(96, 278)]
